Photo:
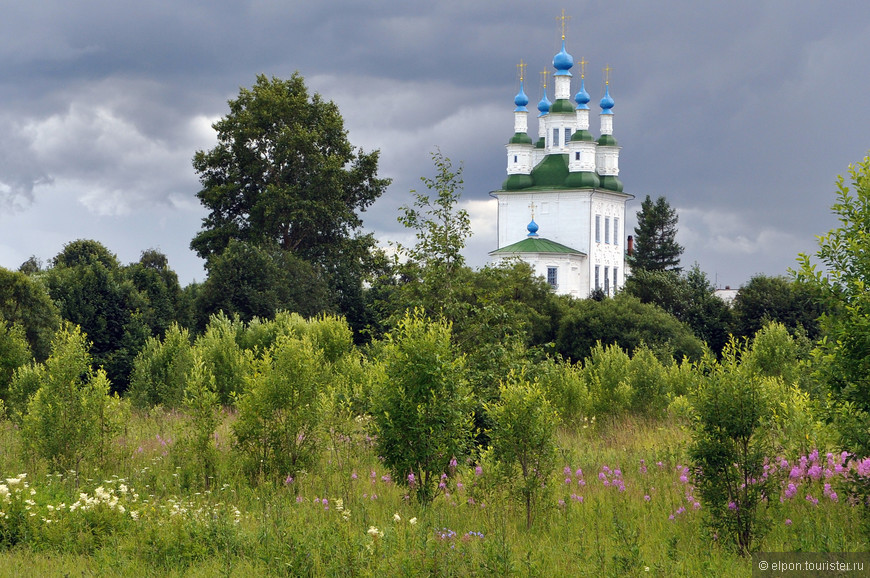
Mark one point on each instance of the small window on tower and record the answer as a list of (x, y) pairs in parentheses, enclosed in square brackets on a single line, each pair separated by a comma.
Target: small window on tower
[(597, 228), (597, 283), (615, 277), (607, 229), (552, 277), (615, 232), (567, 135), (607, 280), (515, 158), (555, 137), (577, 156)]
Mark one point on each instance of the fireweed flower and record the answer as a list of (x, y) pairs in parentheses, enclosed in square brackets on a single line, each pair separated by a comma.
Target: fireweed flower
[(732, 506), (478, 471)]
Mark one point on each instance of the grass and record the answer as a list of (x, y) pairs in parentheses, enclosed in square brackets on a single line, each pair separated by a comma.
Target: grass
[(630, 512)]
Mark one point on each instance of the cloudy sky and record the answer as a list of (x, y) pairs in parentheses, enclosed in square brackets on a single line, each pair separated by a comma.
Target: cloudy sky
[(741, 113)]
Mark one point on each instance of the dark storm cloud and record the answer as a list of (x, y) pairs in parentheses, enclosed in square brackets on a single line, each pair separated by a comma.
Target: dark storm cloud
[(741, 113)]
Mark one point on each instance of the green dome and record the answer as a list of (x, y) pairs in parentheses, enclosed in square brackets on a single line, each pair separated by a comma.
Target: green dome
[(520, 138), (611, 183), (541, 143), (582, 135), (607, 140), (584, 180), (551, 172), (517, 182), (562, 105)]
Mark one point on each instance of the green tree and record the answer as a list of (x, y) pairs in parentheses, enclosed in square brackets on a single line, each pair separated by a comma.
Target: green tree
[(422, 409), (765, 298), (25, 301), (627, 322), (249, 280), (14, 353), (841, 282), (284, 174), (655, 245), (93, 292), (158, 285)]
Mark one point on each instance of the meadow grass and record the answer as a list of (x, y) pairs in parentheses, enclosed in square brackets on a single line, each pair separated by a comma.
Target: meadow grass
[(622, 502)]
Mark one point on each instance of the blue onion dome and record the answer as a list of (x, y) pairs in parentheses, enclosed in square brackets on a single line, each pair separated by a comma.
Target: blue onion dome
[(521, 99), (563, 61), (607, 102), (544, 105), (582, 98), (533, 229)]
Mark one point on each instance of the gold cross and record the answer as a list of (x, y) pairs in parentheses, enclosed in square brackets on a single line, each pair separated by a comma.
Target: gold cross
[(607, 70), (532, 207), (583, 63), (563, 19), (544, 79), (521, 68)]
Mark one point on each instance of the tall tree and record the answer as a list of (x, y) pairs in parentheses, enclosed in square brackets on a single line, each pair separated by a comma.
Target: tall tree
[(284, 172), (655, 247), (25, 301)]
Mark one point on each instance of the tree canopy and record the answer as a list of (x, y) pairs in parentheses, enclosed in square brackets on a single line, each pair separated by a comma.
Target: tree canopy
[(284, 173), (655, 247)]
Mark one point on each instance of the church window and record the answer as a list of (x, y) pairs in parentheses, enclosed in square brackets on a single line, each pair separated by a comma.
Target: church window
[(615, 277), (515, 158), (607, 280), (577, 156), (607, 229), (552, 276), (555, 137), (597, 283), (567, 135), (616, 231), (597, 228)]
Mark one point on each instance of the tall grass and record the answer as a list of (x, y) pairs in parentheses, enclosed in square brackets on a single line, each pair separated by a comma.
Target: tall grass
[(622, 501)]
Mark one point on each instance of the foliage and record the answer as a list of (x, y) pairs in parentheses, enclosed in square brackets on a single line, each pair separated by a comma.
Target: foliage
[(161, 370), (843, 354), (158, 285), (93, 292), (523, 439), (72, 417), (25, 301), (565, 387), (248, 281), (729, 449), (202, 405), (764, 299), (226, 360), (688, 297), (277, 427), (421, 411), (14, 353), (627, 322), (655, 247), (283, 172)]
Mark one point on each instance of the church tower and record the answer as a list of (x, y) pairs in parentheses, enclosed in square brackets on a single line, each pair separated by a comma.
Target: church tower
[(562, 206)]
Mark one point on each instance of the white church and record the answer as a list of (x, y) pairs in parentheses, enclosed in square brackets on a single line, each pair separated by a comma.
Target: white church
[(562, 207)]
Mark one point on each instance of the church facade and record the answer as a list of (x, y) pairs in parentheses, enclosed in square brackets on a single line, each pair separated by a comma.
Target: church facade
[(562, 207)]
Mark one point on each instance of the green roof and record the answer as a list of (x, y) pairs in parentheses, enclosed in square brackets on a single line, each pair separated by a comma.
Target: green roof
[(607, 140), (520, 138), (537, 245), (562, 105)]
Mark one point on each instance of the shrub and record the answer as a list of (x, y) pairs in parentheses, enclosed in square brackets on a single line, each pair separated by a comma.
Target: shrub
[(421, 410), (730, 442), (161, 370), (225, 359), (14, 353), (276, 430), (72, 416), (523, 439)]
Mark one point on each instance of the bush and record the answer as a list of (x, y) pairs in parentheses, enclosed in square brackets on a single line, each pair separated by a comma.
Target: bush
[(422, 410), (277, 427), (523, 439), (72, 417), (14, 353), (161, 370), (224, 357), (730, 444)]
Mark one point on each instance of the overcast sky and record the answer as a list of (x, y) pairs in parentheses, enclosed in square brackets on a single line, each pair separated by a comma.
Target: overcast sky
[(740, 113)]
